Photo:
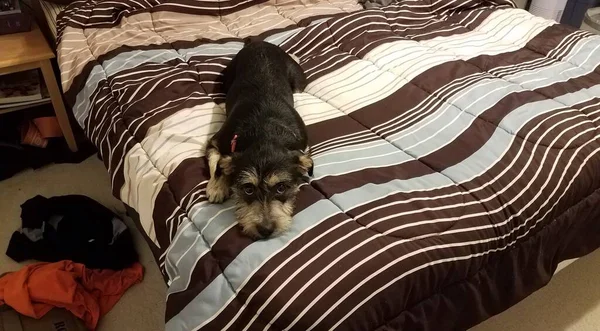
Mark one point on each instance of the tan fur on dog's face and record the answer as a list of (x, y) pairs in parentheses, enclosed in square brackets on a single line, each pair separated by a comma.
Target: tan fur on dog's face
[(265, 181), (264, 203), (260, 220)]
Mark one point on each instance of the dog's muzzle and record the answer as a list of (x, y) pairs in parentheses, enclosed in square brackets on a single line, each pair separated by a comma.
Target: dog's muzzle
[(261, 220)]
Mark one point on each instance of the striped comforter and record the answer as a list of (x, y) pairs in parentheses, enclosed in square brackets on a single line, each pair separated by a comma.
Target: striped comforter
[(455, 141)]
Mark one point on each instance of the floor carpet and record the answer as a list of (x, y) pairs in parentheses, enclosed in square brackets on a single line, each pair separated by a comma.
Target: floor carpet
[(142, 307), (570, 302)]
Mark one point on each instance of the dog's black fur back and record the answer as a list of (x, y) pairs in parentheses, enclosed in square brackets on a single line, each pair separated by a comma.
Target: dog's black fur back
[(261, 152), (260, 82)]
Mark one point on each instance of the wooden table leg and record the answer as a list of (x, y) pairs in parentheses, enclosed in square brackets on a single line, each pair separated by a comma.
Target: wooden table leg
[(57, 103)]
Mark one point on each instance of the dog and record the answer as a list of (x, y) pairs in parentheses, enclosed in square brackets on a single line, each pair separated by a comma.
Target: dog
[(261, 154)]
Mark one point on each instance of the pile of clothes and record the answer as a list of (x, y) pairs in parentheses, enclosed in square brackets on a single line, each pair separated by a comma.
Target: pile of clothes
[(33, 139), (89, 259)]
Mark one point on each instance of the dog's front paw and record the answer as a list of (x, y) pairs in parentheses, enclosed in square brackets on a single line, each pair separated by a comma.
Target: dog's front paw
[(217, 190)]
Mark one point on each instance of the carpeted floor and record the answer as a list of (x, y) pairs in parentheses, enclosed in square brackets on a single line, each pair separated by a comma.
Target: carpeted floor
[(142, 307), (570, 302)]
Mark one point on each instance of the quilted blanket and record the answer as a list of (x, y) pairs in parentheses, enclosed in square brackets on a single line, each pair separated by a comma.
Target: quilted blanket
[(455, 142)]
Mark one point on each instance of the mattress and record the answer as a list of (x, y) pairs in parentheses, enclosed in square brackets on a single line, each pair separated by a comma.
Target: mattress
[(455, 146)]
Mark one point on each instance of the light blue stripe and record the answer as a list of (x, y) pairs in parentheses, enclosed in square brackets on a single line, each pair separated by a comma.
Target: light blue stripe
[(333, 155), (121, 62), (589, 51), (358, 196), (128, 60), (454, 121), (81, 109), (348, 165), (576, 97), (200, 214), (584, 61), (225, 49), (476, 164), (278, 38), (347, 158), (218, 292)]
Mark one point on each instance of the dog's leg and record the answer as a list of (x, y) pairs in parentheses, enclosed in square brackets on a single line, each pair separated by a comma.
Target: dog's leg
[(217, 189)]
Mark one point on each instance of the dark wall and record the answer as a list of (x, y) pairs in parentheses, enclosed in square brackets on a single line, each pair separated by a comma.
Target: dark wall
[(575, 11)]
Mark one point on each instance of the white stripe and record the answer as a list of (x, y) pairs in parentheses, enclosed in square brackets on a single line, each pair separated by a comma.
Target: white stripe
[(376, 272), (478, 201), (449, 245), (356, 247), (272, 255), (432, 103), (474, 190)]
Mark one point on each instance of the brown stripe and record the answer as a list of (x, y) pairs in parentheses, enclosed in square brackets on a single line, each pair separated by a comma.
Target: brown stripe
[(226, 248), (497, 285), (397, 174), (446, 274), (370, 115), (80, 79), (350, 244), (128, 8), (547, 39), (460, 148), (340, 126), (210, 266), (278, 259), (538, 183)]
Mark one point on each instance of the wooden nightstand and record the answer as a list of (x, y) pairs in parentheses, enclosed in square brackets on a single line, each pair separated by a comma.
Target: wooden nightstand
[(29, 50)]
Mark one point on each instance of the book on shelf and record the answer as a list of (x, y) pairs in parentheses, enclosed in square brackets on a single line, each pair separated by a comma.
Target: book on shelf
[(21, 89), (26, 103)]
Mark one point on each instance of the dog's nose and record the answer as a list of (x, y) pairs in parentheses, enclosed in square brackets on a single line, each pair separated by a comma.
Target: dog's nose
[(265, 231)]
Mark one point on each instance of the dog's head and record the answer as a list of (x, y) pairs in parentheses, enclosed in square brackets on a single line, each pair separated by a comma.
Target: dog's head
[(265, 181)]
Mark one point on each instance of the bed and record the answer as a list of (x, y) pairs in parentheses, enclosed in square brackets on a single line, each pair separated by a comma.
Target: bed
[(455, 143)]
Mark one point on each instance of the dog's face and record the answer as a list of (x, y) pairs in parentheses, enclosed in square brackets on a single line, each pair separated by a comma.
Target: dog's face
[(265, 181)]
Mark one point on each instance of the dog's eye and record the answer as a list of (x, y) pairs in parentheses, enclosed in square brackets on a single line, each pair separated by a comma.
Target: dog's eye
[(281, 188), (248, 189)]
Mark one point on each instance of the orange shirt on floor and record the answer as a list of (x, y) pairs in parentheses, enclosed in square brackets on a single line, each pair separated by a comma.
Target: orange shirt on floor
[(87, 293)]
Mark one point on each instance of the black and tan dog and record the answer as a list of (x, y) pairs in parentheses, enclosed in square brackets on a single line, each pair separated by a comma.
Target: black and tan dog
[(261, 153)]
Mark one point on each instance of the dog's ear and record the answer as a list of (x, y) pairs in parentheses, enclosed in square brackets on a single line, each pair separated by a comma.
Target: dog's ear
[(305, 163), (226, 164)]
